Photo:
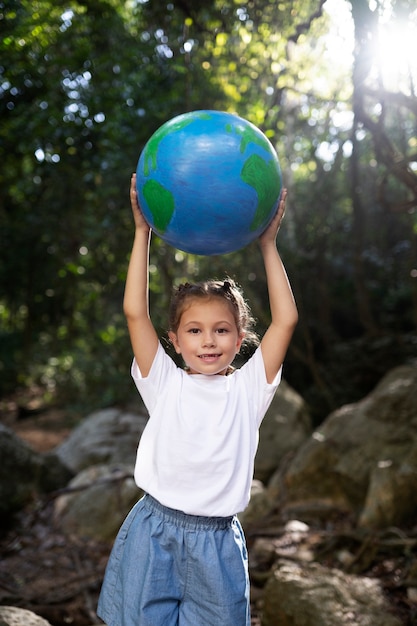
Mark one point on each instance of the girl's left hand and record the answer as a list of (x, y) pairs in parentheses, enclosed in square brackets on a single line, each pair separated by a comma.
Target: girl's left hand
[(140, 221), (271, 231)]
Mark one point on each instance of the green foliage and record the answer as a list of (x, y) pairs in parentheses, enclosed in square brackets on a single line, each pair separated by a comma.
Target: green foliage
[(85, 85)]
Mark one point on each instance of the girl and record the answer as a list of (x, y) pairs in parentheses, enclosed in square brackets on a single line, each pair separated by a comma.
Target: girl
[(180, 557)]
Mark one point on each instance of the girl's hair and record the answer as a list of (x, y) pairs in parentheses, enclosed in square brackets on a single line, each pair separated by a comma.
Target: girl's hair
[(207, 289)]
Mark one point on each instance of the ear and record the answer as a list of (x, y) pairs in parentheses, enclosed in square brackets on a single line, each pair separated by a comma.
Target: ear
[(239, 341), (174, 340)]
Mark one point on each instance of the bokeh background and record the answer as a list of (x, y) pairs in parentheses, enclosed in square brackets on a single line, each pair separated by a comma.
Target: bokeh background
[(83, 85)]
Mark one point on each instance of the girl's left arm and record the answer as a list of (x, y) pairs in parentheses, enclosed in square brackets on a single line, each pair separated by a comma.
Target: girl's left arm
[(284, 315)]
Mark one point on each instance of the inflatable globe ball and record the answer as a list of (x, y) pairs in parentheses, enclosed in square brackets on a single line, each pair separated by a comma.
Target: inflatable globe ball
[(208, 182)]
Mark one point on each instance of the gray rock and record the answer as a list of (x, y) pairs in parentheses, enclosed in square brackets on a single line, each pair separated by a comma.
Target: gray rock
[(15, 616), (109, 437), (390, 498), (25, 473), (286, 426), (342, 465), (259, 506), (99, 499), (313, 595)]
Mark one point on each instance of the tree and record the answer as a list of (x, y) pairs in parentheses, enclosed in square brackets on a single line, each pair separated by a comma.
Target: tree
[(87, 83)]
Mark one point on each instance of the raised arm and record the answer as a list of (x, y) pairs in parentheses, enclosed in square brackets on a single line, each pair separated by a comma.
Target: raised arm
[(136, 299), (284, 315)]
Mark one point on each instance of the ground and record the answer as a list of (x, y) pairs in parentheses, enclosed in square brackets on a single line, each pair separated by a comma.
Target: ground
[(41, 569), (59, 577)]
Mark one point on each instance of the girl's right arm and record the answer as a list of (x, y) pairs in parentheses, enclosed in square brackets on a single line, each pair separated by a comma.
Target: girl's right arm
[(143, 336)]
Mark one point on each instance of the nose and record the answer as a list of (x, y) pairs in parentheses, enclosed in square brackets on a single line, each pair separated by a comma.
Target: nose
[(208, 339)]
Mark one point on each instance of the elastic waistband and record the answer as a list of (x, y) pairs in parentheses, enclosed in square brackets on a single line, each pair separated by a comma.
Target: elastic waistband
[(183, 520)]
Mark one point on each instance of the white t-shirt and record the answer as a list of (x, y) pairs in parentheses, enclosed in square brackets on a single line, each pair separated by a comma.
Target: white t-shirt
[(197, 451)]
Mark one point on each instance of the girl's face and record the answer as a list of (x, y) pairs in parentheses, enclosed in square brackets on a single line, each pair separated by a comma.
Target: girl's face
[(207, 336)]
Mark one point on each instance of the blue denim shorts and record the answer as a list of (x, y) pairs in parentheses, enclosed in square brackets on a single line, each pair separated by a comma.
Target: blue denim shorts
[(168, 568)]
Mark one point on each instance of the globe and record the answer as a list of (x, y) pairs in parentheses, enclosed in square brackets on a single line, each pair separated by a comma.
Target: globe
[(208, 182)]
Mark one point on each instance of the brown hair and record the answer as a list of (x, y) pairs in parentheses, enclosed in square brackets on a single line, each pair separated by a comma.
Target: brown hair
[(207, 289)]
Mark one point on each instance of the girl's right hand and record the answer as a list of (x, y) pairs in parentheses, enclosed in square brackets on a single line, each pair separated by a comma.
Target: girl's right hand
[(140, 221), (270, 234)]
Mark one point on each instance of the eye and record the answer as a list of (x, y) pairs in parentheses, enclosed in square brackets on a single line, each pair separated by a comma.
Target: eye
[(222, 331), (193, 331)]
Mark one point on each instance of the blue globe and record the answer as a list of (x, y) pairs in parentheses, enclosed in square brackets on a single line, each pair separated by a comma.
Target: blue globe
[(208, 182)]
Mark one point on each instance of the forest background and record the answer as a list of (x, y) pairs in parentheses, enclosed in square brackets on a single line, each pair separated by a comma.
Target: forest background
[(84, 84)]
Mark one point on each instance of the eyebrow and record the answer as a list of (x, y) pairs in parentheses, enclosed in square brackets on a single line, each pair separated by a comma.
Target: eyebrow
[(195, 322)]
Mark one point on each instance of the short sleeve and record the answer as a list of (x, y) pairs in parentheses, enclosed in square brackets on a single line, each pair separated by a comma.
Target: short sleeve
[(254, 377), (150, 386)]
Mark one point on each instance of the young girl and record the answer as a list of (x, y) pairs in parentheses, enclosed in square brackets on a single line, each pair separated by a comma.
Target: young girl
[(180, 556)]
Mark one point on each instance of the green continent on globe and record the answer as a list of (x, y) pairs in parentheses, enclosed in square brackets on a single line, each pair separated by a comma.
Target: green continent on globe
[(248, 135), (151, 148), (262, 176), (157, 196)]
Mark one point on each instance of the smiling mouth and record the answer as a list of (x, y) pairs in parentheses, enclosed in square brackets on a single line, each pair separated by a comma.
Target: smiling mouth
[(208, 357)]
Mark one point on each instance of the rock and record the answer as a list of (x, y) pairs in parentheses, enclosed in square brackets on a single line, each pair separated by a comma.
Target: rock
[(109, 436), (286, 426), (101, 498), (260, 505), (391, 493), (262, 556), (14, 616), (313, 595), (342, 465), (54, 474), (25, 473)]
